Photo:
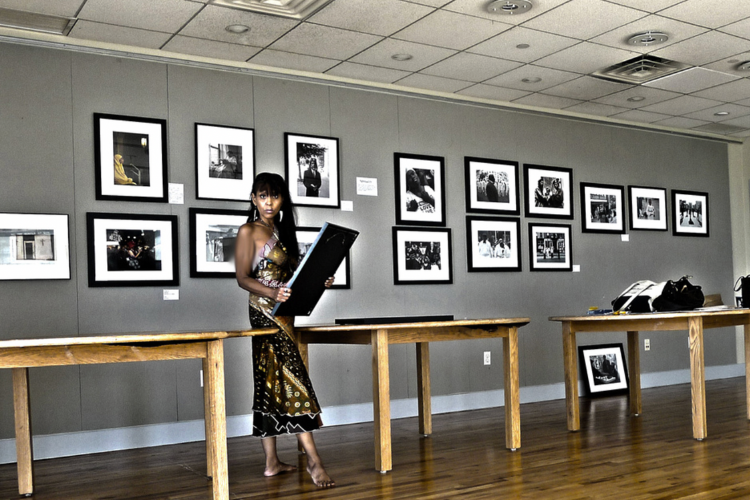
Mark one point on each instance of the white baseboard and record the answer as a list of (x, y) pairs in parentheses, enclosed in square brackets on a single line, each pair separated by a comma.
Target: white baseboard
[(144, 436)]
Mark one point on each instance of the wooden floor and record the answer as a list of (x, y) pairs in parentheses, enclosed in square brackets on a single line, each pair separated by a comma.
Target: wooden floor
[(614, 456)]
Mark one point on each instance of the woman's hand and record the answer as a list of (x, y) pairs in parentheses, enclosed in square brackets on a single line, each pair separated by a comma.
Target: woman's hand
[(329, 282), (283, 294)]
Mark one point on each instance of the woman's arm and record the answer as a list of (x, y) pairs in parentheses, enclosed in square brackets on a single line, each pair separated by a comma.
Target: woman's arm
[(243, 261)]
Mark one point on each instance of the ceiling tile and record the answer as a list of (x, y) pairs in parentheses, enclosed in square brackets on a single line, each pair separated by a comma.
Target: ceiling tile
[(676, 30), (88, 30), (710, 116), (691, 80), (593, 108), (211, 23), (210, 48), (729, 64), (367, 73), (64, 8), (156, 15), (740, 28), (322, 41), (651, 96), (680, 122), (483, 91), (451, 30), (505, 45), (422, 55), (719, 128), (547, 101), (681, 105), (431, 3), (586, 88), (743, 134), (470, 67), (576, 18), (585, 58), (549, 78), (433, 83), (703, 49), (744, 102), (383, 17), (297, 62), (637, 115), (478, 8), (743, 122), (708, 15), (647, 5)]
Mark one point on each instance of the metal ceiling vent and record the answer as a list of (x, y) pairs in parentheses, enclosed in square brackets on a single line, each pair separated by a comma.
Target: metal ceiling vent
[(640, 70), (292, 9)]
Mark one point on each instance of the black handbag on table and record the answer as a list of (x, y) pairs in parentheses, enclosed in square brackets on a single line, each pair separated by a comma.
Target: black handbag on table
[(680, 295)]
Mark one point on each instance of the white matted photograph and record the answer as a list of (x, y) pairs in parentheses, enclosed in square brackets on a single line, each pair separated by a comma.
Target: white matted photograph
[(224, 162), (648, 208), (690, 213), (312, 170), (493, 244), (602, 208), (604, 370), (420, 189), (550, 248), (491, 186), (213, 236), (305, 238), (422, 256), (34, 247), (549, 192)]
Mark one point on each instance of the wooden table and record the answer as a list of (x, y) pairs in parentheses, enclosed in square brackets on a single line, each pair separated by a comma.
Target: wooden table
[(19, 355), (694, 322), (381, 336)]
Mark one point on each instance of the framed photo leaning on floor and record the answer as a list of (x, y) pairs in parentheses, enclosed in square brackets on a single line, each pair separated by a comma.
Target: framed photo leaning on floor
[(603, 369)]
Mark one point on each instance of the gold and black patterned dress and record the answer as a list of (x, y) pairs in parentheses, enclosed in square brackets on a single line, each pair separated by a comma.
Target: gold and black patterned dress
[(284, 401)]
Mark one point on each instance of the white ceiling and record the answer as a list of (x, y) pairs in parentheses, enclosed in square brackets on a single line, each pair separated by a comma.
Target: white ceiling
[(459, 47)]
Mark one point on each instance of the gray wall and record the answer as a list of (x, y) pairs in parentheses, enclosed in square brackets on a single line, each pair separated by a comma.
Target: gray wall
[(47, 165)]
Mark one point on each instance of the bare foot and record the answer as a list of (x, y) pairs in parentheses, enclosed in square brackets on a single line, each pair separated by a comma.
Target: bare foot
[(319, 476), (278, 468)]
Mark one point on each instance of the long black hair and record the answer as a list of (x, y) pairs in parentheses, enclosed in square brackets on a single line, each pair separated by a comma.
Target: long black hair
[(285, 221)]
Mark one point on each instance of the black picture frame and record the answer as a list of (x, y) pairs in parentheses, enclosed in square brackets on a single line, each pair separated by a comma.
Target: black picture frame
[(305, 238), (306, 156), (213, 235), (500, 177), (426, 207), (690, 213), (648, 208), (602, 208), (108, 241), (408, 243), (550, 247), (34, 246), (224, 162), (549, 192), (604, 369), (493, 244), (130, 157)]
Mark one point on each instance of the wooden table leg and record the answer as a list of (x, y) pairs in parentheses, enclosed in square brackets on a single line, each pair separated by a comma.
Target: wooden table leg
[(24, 452), (746, 328), (571, 376), (512, 395), (207, 419), (218, 417), (424, 390), (697, 377), (381, 395), (634, 360)]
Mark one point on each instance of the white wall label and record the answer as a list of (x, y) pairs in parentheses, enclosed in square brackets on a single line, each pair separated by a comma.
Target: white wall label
[(576, 268), (347, 206), (171, 295), (625, 237), (367, 186), (176, 193)]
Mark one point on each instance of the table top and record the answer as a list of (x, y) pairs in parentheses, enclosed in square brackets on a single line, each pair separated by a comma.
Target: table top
[(655, 316), (423, 324)]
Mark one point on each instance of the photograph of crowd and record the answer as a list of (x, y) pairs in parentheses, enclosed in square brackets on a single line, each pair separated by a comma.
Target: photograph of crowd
[(224, 161), (133, 250), (493, 186), (550, 247), (691, 213), (494, 244), (603, 208), (422, 255)]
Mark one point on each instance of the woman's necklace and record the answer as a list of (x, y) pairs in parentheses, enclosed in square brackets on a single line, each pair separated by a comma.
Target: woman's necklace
[(275, 233)]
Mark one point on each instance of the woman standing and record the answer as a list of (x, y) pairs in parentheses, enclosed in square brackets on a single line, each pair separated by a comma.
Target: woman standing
[(266, 256)]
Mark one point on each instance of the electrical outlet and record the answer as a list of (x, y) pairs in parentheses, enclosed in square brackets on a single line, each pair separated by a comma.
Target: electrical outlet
[(201, 378), (646, 344), (487, 357)]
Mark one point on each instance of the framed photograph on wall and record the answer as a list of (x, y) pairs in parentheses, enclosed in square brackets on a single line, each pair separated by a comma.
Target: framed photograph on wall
[(422, 256), (493, 244), (549, 192), (224, 162), (305, 238), (690, 213), (602, 208), (491, 186), (420, 189), (312, 170), (34, 247), (550, 248), (648, 208), (604, 370), (131, 158), (132, 250), (213, 235)]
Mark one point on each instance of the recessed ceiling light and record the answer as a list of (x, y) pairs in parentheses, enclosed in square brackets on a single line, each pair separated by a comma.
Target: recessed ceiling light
[(509, 7), (722, 113), (745, 66), (402, 57), (523, 46), (636, 98), (533, 79), (237, 28), (648, 38)]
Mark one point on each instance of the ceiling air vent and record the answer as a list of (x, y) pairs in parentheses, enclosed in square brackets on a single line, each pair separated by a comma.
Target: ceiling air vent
[(292, 9), (640, 70)]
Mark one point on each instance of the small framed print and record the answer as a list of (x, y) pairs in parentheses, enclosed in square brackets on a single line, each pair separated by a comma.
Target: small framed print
[(132, 250), (305, 238), (312, 170), (34, 247), (602, 208), (604, 369), (420, 189), (131, 158), (550, 247), (213, 237), (422, 256), (648, 208), (549, 192), (491, 186), (224, 162), (493, 244), (690, 209)]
